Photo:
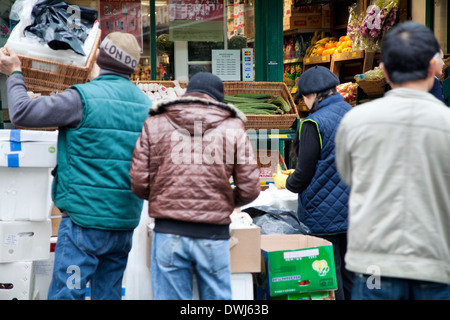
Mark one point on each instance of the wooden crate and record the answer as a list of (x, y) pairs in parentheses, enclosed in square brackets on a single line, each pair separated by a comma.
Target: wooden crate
[(268, 122)]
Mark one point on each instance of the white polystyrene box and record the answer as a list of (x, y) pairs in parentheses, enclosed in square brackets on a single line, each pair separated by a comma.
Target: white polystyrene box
[(28, 148), (16, 280), (26, 160), (42, 272), (25, 240)]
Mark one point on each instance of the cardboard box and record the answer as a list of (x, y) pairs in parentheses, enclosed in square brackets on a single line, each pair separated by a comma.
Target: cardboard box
[(24, 240), (16, 280), (317, 295), (245, 250), (326, 16), (26, 160), (292, 10), (310, 21), (296, 264)]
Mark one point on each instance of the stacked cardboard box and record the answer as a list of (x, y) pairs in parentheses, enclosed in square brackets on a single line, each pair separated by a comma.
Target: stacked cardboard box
[(305, 17), (26, 160)]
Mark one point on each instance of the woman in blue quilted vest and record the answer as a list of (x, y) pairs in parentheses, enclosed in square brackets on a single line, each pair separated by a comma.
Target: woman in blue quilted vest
[(323, 197)]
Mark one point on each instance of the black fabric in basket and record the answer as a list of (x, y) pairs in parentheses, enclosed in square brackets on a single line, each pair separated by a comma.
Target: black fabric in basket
[(52, 23)]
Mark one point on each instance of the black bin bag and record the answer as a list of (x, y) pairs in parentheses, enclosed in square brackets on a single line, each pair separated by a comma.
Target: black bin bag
[(276, 221), (52, 23)]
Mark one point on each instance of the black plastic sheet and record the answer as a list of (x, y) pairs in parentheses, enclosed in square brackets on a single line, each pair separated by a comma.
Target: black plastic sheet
[(276, 221), (52, 23)]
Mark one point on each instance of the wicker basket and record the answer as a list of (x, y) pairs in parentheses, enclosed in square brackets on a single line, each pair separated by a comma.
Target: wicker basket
[(43, 75), (372, 87), (269, 122)]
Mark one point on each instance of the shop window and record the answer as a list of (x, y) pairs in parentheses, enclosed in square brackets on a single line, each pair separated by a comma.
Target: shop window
[(183, 26), (440, 23), (5, 25)]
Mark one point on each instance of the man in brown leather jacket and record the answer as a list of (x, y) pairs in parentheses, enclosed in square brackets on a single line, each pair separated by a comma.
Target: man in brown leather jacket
[(182, 164)]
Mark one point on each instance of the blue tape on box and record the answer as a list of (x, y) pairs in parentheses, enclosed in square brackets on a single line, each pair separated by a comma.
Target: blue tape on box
[(14, 138), (15, 145), (13, 160)]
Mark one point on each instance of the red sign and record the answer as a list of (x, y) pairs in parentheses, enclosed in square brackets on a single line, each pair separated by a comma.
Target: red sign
[(196, 10), (121, 16)]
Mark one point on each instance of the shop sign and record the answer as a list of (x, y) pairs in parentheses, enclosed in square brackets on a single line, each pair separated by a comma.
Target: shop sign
[(121, 16), (247, 64), (226, 64), (196, 20)]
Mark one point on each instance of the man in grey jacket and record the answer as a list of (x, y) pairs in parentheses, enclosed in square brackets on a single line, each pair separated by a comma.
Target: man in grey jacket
[(394, 153)]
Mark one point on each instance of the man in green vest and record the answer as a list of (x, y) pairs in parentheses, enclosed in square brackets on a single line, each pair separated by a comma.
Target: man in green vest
[(99, 123)]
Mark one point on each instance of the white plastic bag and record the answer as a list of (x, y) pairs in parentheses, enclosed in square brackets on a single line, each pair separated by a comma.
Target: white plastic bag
[(137, 277)]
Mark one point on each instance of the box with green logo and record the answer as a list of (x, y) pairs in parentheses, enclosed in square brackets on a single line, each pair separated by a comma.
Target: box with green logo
[(295, 264)]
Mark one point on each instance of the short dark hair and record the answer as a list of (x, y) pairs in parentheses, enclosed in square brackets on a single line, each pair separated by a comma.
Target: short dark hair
[(407, 51)]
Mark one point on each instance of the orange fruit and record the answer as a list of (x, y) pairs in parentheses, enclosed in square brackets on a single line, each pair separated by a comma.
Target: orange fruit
[(320, 50), (342, 39), (328, 45)]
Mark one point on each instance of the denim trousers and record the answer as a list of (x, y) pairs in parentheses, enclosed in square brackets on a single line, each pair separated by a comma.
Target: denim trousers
[(176, 258), (85, 255), (366, 288)]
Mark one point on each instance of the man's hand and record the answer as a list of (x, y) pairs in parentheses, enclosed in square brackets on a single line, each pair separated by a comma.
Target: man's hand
[(9, 61)]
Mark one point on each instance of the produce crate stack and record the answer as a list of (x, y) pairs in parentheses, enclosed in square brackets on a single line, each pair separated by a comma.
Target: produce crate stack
[(26, 160)]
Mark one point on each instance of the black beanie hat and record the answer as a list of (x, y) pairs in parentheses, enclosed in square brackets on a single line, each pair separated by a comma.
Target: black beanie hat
[(316, 79), (208, 83)]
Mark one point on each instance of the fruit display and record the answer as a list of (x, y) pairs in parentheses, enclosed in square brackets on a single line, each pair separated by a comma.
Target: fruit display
[(318, 41), (261, 104), (349, 91), (330, 46), (322, 45)]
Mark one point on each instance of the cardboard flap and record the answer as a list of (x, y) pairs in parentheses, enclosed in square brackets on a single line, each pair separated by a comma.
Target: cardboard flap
[(233, 241), (290, 242)]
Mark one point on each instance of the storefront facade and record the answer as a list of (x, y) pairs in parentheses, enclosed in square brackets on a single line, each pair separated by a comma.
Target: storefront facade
[(257, 24), (178, 38)]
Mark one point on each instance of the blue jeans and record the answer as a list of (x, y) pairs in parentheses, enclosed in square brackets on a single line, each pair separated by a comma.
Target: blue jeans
[(89, 255), (398, 289), (175, 258)]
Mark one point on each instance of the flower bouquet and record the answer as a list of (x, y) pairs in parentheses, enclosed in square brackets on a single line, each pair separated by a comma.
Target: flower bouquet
[(379, 19)]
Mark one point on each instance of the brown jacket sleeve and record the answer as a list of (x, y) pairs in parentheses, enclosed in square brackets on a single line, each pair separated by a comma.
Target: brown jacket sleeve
[(139, 170), (245, 173)]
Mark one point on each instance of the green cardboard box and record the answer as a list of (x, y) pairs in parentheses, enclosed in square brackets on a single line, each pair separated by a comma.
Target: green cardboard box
[(296, 264), (316, 295)]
